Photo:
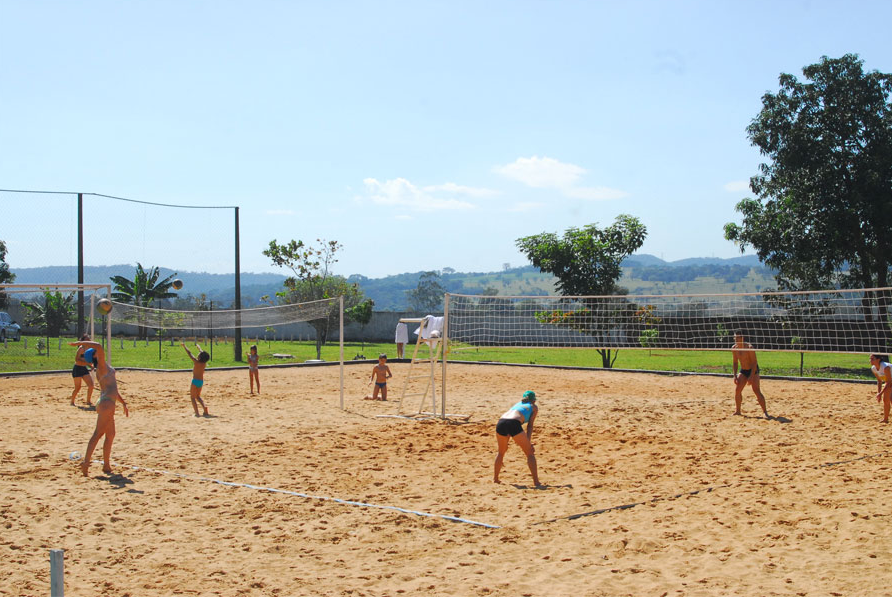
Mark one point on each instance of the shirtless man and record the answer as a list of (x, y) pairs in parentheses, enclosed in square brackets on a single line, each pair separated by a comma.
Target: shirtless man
[(198, 366), (745, 356), (882, 370)]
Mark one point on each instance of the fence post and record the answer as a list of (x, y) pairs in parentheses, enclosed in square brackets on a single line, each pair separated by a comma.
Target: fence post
[(57, 573)]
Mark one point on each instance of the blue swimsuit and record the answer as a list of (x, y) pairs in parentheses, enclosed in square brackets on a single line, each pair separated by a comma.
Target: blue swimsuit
[(525, 409)]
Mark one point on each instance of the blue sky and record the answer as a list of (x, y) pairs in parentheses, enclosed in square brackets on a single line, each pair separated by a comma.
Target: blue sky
[(421, 135)]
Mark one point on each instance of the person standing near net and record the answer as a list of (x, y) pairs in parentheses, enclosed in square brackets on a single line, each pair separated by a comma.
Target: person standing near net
[(882, 370), (105, 406), (744, 355), (81, 373), (198, 366), (402, 338), (510, 425), (254, 368)]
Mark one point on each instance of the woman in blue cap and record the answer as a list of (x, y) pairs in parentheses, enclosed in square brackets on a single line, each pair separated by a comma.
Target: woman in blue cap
[(510, 425), (81, 373), (105, 406)]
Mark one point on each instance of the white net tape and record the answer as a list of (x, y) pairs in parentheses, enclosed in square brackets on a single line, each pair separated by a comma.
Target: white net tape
[(817, 321), (123, 313)]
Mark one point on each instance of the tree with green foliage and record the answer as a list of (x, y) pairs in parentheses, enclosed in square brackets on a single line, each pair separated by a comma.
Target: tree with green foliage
[(362, 315), (6, 276), (822, 212), (427, 296), (143, 290), (587, 262), (54, 314), (313, 281)]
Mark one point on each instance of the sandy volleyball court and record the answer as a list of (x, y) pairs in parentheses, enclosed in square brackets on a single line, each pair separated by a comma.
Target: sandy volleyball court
[(728, 505)]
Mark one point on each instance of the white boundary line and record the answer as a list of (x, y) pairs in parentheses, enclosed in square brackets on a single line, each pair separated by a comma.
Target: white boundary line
[(305, 495)]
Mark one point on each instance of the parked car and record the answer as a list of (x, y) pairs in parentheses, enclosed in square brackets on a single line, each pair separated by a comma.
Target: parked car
[(9, 328)]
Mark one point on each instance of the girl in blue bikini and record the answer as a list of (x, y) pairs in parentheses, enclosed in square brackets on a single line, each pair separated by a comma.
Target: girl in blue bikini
[(510, 425), (198, 366)]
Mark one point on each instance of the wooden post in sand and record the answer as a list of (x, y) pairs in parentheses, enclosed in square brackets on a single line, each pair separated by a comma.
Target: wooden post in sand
[(57, 573)]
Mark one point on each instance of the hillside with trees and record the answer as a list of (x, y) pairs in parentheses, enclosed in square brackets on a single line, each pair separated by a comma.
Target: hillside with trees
[(641, 274)]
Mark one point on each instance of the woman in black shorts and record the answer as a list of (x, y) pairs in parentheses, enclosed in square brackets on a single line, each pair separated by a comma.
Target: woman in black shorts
[(81, 373), (510, 425)]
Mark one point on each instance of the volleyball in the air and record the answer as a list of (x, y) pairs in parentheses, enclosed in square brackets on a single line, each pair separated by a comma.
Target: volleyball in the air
[(177, 284), (104, 306)]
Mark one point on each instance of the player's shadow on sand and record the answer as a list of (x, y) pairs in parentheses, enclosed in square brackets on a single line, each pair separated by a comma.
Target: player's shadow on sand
[(543, 486), (770, 418), (91, 408), (116, 479)]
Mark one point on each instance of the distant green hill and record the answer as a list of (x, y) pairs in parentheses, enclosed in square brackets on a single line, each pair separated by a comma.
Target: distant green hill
[(642, 274)]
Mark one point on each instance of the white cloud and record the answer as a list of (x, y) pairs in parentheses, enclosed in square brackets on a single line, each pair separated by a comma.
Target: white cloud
[(542, 173), (670, 61), (526, 206), (595, 193), (549, 173), (737, 186), (451, 187), (401, 192)]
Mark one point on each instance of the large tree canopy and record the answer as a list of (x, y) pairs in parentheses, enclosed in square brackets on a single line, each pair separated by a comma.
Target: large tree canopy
[(143, 290), (822, 215), (587, 260), (313, 281), (427, 297)]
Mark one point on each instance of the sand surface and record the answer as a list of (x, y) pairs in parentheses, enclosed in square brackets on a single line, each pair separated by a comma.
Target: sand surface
[(799, 505)]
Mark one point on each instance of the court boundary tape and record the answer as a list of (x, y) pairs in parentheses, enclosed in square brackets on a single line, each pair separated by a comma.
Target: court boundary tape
[(305, 495), (696, 491), (457, 519)]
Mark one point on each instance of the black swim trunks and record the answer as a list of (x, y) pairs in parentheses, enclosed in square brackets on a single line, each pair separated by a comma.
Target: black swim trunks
[(79, 371), (746, 372), (510, 427)]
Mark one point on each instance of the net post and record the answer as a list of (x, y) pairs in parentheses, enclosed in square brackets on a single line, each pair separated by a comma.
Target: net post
[(92, 315), (80, 265), (445, 341), (237, 332), (57, 573), (341, 338), (108, 329)]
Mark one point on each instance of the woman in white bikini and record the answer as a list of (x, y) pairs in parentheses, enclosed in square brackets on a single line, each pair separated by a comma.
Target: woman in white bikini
[(105, 406)]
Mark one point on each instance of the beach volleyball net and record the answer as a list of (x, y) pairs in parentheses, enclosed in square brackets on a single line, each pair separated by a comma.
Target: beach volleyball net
[(255, 320), (839, 321), (41, 318)]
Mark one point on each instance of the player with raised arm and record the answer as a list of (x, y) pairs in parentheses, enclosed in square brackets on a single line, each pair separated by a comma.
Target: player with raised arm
[(198, 366), (105, 406)]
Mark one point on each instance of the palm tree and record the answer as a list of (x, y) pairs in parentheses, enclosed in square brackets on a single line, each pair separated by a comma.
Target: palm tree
[(54, 315), (143, 289)]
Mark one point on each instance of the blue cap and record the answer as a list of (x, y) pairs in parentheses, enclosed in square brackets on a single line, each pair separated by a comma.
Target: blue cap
[(89, 354), (529, 395)]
